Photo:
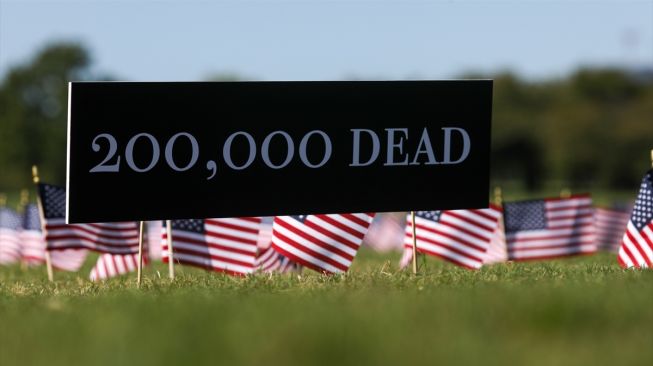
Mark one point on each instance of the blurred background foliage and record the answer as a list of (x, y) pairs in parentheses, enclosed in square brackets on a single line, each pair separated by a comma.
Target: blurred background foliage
[(588, 130)]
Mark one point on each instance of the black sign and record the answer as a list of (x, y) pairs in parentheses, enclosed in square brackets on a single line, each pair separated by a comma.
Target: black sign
[(145, 151)]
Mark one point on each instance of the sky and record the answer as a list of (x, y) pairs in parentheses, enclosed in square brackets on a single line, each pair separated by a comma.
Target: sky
[(190, 40)]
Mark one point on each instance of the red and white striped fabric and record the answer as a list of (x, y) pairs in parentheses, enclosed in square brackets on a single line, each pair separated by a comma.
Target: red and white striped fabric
[(223, 245), (114, 238), (610, 228), (324, 243), (461, 237), (112, 265), (549, 228), (497, 252), (32, 247), (70, 260), (10, 226), (386, 233), (153, 234), (637, 243), (269, 261), (264, 236)]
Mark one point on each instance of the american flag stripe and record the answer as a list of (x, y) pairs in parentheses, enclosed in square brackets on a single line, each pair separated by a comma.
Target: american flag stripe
[(325, 243), (461, 237), (610, 225), (565, 228), (497, 251), (268, 260), (69, 259), (107, 238), (636, 247), (225, 245), (112, 265), (286, 266), (386, 233), (32, 247), (9, 246)]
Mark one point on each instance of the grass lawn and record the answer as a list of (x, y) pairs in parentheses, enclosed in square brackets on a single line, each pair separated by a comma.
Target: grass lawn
[(581, 311)]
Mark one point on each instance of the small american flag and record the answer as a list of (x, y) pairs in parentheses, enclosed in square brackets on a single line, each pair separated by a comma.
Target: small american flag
[(324, 243), (549, 228), (610, 224), (637, 243), (114, 238), (112, 265), (31, 237), (461, 237), (10, 226), (223, 245)]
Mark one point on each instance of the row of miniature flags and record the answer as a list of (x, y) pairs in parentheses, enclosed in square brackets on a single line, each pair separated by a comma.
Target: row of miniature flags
[(517, 231)]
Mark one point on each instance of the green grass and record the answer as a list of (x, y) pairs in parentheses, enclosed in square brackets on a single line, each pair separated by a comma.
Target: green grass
[(582, 311)]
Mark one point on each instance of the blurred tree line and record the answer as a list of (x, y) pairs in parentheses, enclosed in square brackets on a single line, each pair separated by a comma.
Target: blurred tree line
[(592, 128)]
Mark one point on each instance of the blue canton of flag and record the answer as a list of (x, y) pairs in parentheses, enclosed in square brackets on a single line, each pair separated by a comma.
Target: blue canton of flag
[(429, 215), (31, 219), (643, 210), (192, 225), (300, 218), (529, 215), (54, 201), (9, 219)]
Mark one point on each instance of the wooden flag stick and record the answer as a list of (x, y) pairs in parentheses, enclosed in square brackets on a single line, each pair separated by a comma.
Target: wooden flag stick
[(48, 258), (171, 258), (412, 217), (140, 255), (498, 196), (651, 158)]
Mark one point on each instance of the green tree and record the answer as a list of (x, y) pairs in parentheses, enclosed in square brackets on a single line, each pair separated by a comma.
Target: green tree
[(33, 113)]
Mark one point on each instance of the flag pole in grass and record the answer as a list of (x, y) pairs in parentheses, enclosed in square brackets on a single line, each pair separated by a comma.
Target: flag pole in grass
[(171, 262), (140, 254), (651, 158), (412, 217), (498, 196), (48, 259)]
